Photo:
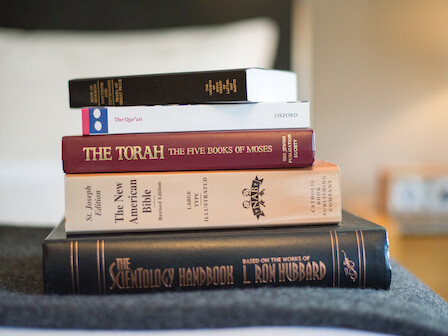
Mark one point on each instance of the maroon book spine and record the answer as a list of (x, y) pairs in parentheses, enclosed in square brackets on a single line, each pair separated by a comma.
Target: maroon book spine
[(210, 150)]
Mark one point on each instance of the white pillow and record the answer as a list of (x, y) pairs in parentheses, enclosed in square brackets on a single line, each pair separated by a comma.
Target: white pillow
[(35, 67)]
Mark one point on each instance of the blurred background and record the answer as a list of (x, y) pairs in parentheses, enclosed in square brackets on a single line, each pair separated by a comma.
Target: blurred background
[(377, 77), (375, 72)]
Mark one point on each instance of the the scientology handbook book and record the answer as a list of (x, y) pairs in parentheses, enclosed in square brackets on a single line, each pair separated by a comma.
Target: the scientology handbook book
[(201, 117), (354, 254), (124, 202), (250, 149), (236, 85)]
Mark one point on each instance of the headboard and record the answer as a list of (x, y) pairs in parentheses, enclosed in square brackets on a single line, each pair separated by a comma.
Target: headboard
[(109, 15)]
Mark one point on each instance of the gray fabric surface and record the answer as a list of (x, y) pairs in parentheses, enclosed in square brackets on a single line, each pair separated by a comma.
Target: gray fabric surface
[(408, 308)]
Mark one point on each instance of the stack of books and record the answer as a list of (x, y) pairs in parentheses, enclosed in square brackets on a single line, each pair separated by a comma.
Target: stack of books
[(203, 180)]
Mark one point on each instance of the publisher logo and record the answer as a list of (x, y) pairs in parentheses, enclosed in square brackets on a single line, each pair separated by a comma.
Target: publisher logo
[(349, 268), (285, 115), (254, 202), (98, 120)]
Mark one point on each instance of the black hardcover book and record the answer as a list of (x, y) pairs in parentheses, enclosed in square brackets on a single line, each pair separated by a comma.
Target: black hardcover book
[(239, 85), (354, 254)]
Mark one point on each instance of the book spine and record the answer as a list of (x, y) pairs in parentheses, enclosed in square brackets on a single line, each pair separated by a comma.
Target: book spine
[(186, 88), (202, 199), (203, 117), (244, 259), (188, 151)]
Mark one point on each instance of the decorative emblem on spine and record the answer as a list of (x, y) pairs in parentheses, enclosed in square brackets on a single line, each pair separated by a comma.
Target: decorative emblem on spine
[(349, 268), (255, 202)]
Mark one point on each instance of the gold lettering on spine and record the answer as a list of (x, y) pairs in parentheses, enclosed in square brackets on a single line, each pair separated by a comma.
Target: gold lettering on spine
[(333, 256), (268, 273), (364, 257), (97, 153), (182, 277), (101, 267), (145, 279), (134, 279), (230, 277), (157, 277), (257, 273), (208, 276), (288, 271), (104, 266), (209, 272), (322, 270), (349, 268), (158, 152), (316, 274), (337, 258), (125, 277), (309, 270), (74, 266), (281, 272), (294, 273), (301, 272), (98, 266), (195, 275), (245, 281), (221, 87), (113, 92), (138, 153), (359, 257), (77, 263), (98, 92)]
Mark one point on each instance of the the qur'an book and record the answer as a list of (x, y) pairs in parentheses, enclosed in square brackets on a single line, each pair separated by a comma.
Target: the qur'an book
[(201, 117), (283, 148), (354, 254), (124, 202), (236, 85)]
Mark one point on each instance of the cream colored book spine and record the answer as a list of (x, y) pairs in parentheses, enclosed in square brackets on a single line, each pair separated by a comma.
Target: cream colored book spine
[(125, 202)]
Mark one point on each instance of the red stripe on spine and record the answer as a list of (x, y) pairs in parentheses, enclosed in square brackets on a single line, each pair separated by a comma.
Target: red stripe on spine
[(85, 121)]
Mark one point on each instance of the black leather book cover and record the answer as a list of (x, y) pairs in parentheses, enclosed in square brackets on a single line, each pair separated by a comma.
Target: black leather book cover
[(160, 89), (353, 254)]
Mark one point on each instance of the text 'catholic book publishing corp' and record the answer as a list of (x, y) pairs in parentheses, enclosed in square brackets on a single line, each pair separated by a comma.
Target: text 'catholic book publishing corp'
[(239, 85), (202, 117), (124, 202), (352, 254), (283, 148)]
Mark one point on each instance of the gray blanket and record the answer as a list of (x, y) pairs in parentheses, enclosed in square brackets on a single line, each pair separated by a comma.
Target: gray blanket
[(408, 308)]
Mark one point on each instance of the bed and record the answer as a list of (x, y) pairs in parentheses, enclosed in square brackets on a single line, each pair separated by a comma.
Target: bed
[(46, 42)]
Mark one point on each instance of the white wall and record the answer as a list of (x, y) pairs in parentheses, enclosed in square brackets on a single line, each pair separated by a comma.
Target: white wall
[(378, 85)]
